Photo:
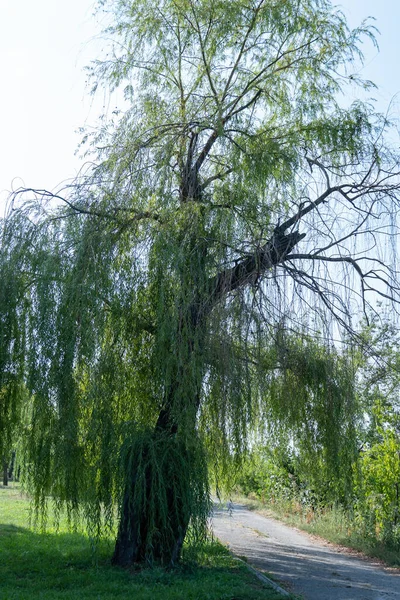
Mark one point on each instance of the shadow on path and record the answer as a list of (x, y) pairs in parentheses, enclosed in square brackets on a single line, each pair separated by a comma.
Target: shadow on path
[(308, 568)]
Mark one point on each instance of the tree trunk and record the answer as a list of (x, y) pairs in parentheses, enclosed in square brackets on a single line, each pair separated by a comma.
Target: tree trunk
[(11, 466), (146, 533), (126, 550), (5, 471), (155, 529), (133, 532)]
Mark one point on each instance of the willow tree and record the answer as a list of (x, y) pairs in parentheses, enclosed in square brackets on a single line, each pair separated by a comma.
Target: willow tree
[(148, 304)]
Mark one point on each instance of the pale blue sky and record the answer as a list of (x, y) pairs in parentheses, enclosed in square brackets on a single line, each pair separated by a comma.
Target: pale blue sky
[(44, 45)]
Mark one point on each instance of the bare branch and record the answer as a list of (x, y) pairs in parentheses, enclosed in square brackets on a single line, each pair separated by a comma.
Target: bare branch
[(92, 212)]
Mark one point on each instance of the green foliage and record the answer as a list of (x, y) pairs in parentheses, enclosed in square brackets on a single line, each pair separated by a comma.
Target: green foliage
[(268, 479), (380, 468), (377, 471), (316, 388), (145, 311), (378, 480), (170, 479)]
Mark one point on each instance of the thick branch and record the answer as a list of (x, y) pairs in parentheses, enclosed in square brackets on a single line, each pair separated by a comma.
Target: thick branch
[(248, 270), (274, 252)]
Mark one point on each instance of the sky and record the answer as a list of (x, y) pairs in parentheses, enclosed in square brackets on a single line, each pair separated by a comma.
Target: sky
[(44, 45)]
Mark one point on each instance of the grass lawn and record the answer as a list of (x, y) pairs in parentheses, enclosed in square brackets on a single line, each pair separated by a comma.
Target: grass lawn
[(59, 566)]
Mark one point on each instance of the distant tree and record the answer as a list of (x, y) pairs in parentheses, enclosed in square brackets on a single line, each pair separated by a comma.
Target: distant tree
[(235, 198), (12, 350)]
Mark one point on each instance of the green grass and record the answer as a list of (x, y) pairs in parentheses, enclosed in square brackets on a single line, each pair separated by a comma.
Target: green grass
[(330, 524), (59, 566)]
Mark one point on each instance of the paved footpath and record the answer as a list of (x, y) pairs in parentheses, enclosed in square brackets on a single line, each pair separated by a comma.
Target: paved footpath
[(303, 566)]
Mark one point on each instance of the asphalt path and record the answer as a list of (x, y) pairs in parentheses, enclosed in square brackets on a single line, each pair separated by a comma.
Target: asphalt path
[(303, 565)]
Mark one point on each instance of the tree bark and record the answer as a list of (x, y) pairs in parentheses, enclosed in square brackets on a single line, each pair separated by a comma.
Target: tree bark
[(136, 525), (5, 471), (11, 466)]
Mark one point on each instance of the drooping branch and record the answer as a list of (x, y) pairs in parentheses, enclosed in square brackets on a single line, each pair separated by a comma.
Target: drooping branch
[(109, 215)]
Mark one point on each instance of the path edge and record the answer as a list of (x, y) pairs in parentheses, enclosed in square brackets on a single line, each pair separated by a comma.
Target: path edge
[(264, 579)]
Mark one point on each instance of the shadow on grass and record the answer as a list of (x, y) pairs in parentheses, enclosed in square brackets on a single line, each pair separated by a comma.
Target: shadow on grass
[(9, 529), (60, 566)]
